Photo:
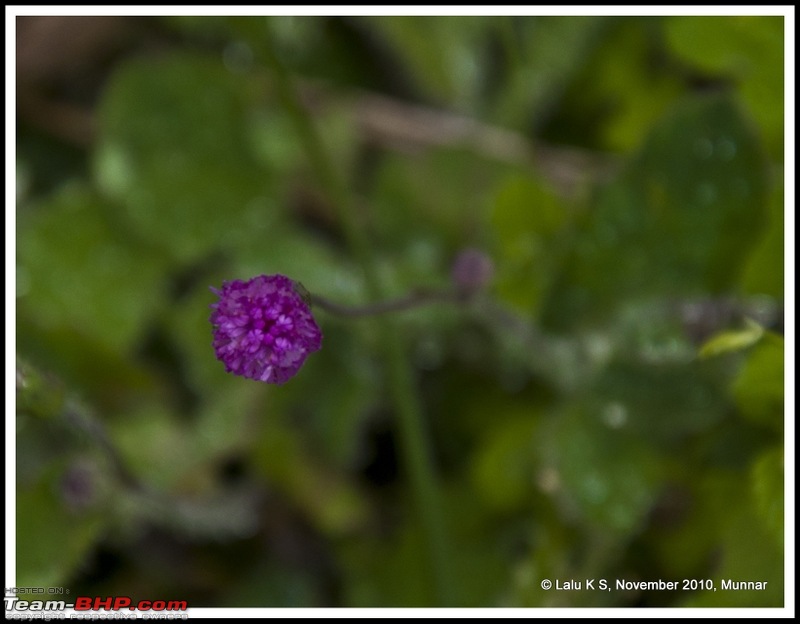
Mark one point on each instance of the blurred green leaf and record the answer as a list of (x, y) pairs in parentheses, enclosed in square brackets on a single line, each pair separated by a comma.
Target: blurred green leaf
[(605, 474), (83, 275), (764, 272), (480, 554), (273, 140), (749, 554), (157, 447), (733, 340), (529, 222), (679, 221), (52, 540), (658, 403), (721, 538), (767, 480), (504, 470), (385, 569), (748, 49), (173, 152), (758, 390), (372, 568)]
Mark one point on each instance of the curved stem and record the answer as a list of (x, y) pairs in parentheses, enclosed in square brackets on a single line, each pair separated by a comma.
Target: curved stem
[(413, 300), (413, 436)]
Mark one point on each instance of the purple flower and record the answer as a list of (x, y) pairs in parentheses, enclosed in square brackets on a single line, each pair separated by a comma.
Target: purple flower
[(263, 329)]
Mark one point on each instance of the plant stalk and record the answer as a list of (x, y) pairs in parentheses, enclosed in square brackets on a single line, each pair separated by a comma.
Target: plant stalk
[(414, 440)]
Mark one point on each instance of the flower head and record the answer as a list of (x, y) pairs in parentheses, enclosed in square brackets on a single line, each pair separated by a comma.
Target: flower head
[(263, 329)]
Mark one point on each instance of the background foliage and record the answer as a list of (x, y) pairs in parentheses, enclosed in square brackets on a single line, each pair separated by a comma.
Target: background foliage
[(625, 174)]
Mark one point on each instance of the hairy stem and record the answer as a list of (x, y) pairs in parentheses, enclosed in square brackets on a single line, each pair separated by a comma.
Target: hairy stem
[(413, 300)]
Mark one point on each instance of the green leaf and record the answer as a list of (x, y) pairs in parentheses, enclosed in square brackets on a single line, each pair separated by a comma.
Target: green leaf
[(529, 223), (158, 448), (767, 480), (764, 272), (661, 402), (174, 150), (503, 471), (733, 340), (52, 540), (687, 541), (720, 537), (748, 49), (374, 564), (609, 476), (679, 221), (748, 553), (758, 390), (82, 274)]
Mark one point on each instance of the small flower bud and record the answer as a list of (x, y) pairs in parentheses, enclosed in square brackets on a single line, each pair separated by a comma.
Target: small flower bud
[(78, 487), (472, 271)]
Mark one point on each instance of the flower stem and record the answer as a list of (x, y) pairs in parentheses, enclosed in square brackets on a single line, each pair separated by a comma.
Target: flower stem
[(413, 300), (415, 444)]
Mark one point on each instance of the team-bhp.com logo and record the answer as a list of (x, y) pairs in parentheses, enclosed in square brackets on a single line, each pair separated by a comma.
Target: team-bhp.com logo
[(88, 603)]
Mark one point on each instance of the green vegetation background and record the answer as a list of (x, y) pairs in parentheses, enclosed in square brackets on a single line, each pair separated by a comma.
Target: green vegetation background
[(625, 175)]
